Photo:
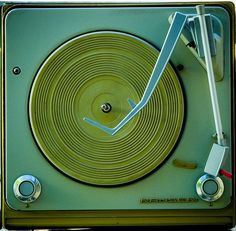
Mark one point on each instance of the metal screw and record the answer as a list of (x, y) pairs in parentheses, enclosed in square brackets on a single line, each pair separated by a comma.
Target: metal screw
[(180, 67), (16, 70), (191, 44)]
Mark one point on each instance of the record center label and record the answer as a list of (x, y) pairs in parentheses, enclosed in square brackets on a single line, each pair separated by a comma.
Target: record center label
[(168, 200)]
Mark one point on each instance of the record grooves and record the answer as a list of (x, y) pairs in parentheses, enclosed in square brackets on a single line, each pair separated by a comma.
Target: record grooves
[(73, 83)]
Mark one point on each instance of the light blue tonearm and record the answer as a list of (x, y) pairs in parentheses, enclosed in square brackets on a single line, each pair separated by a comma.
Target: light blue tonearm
[(171, 39)]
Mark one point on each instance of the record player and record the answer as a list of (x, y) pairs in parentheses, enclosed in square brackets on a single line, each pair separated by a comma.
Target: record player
[(118, 114)]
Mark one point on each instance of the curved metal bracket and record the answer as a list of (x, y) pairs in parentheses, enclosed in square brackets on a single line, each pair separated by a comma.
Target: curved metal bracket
[(171, 39), (191, 36)]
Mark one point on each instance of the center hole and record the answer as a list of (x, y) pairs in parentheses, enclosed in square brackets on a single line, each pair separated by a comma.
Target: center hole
[(106, 107)]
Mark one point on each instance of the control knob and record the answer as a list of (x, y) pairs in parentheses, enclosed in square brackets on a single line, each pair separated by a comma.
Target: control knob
[(27, 188)]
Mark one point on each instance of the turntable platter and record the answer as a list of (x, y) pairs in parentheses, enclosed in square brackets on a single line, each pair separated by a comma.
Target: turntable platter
[(86, 73)]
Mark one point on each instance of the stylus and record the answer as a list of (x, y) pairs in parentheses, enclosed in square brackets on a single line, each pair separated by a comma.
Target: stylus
[(219, 150)]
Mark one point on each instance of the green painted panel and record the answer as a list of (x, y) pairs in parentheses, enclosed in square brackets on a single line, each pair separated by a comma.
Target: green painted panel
[(34, 33)]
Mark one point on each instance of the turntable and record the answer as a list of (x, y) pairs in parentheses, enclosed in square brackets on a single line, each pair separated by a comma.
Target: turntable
[(118, 114)]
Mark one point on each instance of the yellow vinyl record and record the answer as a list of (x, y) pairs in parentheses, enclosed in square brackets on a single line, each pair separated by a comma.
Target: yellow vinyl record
[(75, 81)]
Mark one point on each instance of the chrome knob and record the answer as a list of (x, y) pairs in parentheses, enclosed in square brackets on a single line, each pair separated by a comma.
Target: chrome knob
[(27, 188), (209, 188)]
